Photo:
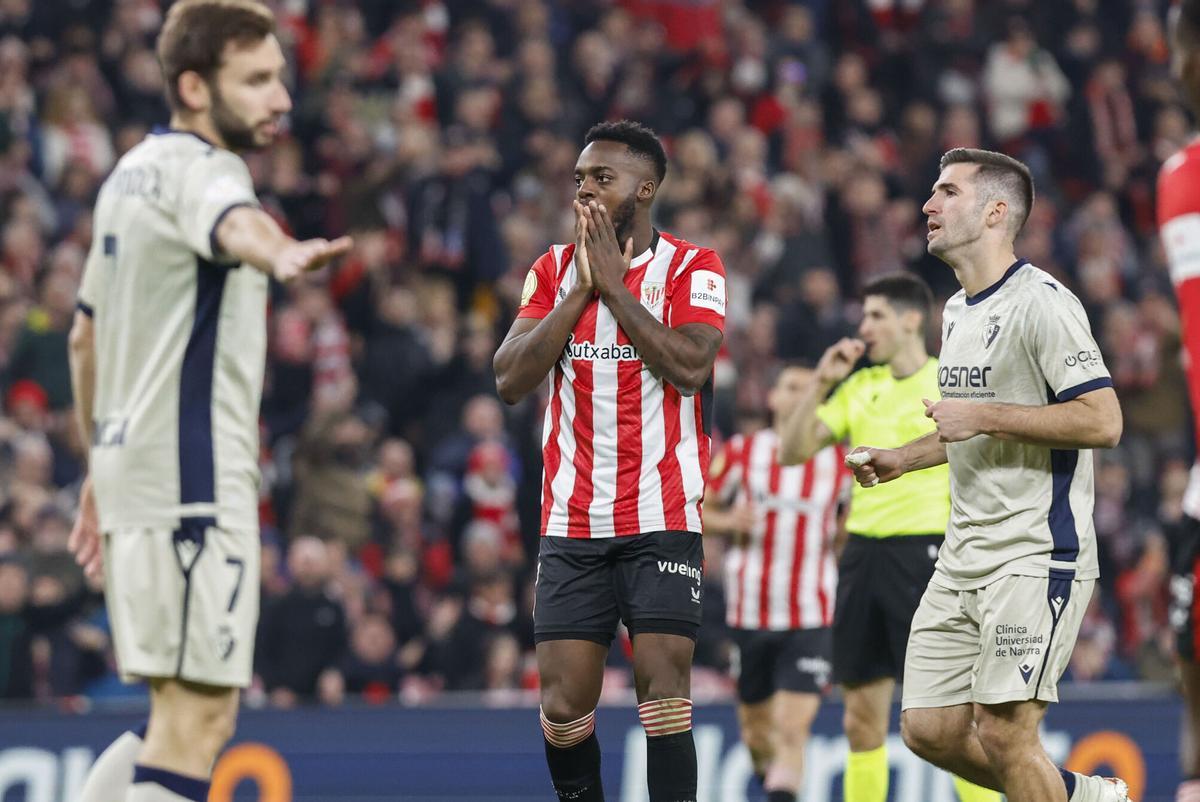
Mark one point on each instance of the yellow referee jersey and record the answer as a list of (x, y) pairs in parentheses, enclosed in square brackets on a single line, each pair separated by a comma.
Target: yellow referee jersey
[(872, 408)]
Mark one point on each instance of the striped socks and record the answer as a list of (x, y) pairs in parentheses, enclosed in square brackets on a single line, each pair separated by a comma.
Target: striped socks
[(573, 757), (670, 749), (666, 716)]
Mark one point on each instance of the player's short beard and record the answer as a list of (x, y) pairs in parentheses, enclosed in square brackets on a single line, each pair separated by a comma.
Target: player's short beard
[(237, 135), (622, 219)]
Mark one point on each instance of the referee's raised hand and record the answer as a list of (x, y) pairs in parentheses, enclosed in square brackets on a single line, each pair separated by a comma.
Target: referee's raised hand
[(838, 360)]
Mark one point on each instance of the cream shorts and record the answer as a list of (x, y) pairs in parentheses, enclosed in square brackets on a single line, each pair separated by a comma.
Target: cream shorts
[(1005, 642), (183, 604)]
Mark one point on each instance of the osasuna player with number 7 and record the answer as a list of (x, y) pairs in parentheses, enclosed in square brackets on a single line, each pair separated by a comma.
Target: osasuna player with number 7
[(1025, 397), (167, 358), (627, 321)]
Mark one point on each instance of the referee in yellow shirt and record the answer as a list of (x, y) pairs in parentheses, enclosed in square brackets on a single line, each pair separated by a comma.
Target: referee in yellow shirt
[(895, 530)]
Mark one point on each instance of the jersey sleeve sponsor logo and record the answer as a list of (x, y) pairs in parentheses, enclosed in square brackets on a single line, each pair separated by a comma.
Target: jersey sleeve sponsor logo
[(1082, 358), (531, 285), (1181, 240), (708, 291)]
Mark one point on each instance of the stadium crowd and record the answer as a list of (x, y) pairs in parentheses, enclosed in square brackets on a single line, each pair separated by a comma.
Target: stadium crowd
[(399, 495)]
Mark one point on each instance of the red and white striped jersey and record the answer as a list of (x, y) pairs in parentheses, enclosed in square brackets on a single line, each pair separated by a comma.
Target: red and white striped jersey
[(784, 576), (623, 452), (1179, 227)]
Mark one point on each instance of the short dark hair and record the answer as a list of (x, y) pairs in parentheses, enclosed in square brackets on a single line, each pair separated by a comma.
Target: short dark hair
[(641, 141), (905, 291), (999, 174), (195, 34)]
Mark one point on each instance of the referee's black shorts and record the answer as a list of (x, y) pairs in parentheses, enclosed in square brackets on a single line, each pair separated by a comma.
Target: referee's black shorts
[(880, 584)]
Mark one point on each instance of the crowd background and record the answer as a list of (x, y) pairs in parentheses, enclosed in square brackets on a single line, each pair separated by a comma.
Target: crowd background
[(399, 496)]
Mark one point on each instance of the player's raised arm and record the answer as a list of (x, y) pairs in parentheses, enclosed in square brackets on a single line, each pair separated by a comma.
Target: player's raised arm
[(803, 433), (538, 335), (250, 235)]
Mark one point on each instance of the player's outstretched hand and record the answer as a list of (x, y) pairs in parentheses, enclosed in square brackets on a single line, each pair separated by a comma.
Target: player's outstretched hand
[(874, 465), (839, 359), (583, 270), (956, 419), (84, 541), (311, 254)]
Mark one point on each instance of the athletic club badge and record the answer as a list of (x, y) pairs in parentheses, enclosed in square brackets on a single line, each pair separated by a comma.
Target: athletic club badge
[(530, 287), (652, 294)]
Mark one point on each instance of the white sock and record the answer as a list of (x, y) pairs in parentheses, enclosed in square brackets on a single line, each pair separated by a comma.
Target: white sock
[(109, 777), (1188, 791), (160, 785)]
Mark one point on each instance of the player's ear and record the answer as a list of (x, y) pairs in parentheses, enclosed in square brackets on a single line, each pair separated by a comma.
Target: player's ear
[(194, 91), (646, 190), (998, 214)]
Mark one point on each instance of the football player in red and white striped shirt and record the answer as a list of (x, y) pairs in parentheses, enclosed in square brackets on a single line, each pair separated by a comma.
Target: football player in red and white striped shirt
[(780, 581), (627, 322), (1179, 224)]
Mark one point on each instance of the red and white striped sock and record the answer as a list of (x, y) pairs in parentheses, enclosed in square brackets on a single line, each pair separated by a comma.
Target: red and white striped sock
[(564, 736), (1188, 791), (666, 716)]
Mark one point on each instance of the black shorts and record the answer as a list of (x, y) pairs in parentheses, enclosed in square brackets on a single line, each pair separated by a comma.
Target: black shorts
[(1183, 542), (880, 584), (796, 660), (653, 582)]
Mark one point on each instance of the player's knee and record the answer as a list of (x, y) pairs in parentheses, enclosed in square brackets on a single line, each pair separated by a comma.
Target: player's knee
[(561, 706), (924, 736), (1001, 740), (862, 731)]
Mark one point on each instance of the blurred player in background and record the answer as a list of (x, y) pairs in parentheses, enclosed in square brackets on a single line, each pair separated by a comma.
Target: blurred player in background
[(167, 357), (1179, 221), (780, 580), (1025, 396), (627, 321), (894, 535)]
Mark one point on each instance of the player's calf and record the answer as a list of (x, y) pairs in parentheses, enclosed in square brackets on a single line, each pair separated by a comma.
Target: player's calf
[(189, 725), (670, 750), (573, 756)]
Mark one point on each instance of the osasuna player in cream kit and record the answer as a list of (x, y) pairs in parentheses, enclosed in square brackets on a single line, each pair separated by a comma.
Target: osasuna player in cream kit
[(167, 358), (1025, 396)]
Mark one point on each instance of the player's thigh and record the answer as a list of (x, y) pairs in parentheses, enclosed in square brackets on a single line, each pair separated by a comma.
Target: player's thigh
[(910, 561), (662, 665), (943, 650), (1009, 727), (1028, 627), (575, 596), (659, 583), (860, 649), (181, 709), (753, 665), (183, 603), (571, 677)]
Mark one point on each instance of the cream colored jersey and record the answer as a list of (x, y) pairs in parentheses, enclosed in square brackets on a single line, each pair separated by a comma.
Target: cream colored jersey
[(1016, 508), (180, 338)]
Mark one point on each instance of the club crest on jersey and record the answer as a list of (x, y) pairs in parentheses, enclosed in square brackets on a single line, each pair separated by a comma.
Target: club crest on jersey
[(653, 293), (991, 330)]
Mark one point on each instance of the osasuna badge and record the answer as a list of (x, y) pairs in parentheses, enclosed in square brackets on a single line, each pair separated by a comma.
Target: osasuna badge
[(991, 330), (652, 294), (530, 287)]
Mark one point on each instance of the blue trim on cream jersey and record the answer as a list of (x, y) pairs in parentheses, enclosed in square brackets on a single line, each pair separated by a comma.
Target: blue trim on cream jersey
[(1072, 393), (983, 295)]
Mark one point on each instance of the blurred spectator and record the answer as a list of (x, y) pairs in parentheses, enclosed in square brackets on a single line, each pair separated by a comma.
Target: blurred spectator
[(302, 634)]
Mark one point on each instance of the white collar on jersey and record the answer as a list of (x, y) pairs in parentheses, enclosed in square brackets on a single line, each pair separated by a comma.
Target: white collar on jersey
[(648, 254)]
